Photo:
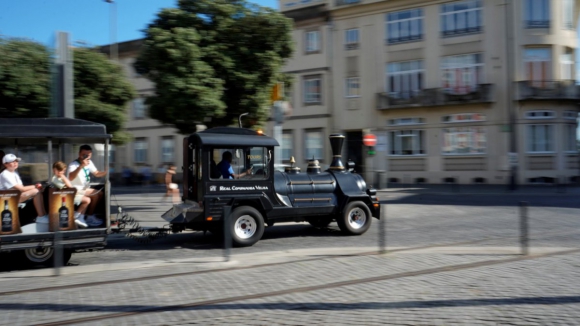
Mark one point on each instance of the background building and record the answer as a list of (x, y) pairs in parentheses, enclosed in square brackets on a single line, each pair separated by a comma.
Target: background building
[(465, 91), (443, 84)]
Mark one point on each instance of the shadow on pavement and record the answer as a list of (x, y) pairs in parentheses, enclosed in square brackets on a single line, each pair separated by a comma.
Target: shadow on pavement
[(484, 200), (303, 306)]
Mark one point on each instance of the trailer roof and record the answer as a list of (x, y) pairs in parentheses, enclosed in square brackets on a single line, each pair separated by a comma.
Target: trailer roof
[(65, 129), (231, 137)]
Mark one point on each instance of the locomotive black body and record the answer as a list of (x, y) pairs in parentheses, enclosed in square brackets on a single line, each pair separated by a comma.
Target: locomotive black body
[(245, 183)]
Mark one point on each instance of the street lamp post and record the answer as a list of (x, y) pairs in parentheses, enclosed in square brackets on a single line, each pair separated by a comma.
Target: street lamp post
[(113, 50)]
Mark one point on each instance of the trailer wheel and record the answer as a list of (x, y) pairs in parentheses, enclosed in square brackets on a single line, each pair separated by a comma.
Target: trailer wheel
[(355, 219), (44, 256), (320, 222), (246, 226)]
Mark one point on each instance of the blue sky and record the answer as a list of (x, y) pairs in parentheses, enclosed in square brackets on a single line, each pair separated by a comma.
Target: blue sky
[(85, 20)]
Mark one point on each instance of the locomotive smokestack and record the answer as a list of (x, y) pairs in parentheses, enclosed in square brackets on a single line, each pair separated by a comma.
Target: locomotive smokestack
[(336, 141)]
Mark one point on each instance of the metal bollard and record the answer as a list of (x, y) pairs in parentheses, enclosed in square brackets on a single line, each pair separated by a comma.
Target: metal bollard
[(57, 245), (524, 227), (227, 210), (383, 230)]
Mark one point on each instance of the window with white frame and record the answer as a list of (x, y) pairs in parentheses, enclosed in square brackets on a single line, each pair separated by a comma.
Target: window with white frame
[(540, 138), (407, 142), (167, 149), (537, 13), (287, 145), (462, 73), (570, 140), (568, 13), (405, 79), (461, 17), (464, 140), (540, 114), (313, 144), (312, 90), (312, 41), (538, 66), (139, 109), (404, 26), (140, 150), (567, 65), (352, 87), (351, 39)]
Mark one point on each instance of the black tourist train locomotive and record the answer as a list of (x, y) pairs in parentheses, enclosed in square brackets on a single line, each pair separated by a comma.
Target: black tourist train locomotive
[(245, 188)]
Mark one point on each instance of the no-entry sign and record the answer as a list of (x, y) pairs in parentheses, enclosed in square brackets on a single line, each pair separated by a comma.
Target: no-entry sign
[(370, 140)]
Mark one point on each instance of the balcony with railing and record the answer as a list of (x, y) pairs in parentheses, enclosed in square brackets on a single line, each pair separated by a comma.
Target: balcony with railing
[(548, 90), (482, 93)]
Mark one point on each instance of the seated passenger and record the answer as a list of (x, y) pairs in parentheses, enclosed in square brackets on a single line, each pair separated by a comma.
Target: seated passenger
[(10, 180), (225, 167), (79, 173), (60, 181)]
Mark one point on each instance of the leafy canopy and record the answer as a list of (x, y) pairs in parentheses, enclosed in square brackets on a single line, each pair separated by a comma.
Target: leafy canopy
[(101, 90), (212, 60)]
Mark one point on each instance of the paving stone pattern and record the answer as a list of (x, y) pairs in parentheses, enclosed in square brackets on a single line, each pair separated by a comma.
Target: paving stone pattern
[(541, 291)]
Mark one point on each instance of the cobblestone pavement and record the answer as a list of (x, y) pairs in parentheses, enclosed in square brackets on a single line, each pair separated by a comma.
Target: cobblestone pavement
[(426, 287)]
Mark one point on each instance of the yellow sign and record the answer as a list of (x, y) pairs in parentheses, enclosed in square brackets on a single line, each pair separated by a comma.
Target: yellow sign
[(277, 92)]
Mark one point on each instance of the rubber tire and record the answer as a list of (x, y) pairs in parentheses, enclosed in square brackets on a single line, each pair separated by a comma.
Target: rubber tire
[(320, 222), (48, 261), (342, 220), (241, 211)]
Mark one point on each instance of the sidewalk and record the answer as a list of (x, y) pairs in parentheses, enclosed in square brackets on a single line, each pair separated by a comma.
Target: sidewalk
[(337, 286)]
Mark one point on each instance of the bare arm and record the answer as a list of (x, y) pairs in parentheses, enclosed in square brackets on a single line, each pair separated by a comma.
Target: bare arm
[(66, 181), (100, 174), (73, 174), (22, 188)]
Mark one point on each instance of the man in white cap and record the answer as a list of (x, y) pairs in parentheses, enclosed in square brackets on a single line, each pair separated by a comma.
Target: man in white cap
[(10, 180)]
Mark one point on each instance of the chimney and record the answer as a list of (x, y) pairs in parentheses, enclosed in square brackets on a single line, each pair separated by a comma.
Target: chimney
[(336, 141)]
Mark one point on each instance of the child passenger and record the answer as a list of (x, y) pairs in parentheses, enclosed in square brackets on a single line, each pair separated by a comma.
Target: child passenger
[(60, 181)]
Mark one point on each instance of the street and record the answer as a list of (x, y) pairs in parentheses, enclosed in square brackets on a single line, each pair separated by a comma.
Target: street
[(412, 221), (453, 259)]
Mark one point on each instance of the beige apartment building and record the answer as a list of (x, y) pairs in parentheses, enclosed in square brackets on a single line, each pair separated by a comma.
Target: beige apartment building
[(442, 84)]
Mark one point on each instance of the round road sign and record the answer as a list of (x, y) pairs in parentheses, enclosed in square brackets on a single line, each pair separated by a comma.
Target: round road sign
[(370, 140)]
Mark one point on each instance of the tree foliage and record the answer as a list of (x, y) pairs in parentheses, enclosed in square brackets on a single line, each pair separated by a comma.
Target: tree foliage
[(212, 60), (101, 90), (24, 79)]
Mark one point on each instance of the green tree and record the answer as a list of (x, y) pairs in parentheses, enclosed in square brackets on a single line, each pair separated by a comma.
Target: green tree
[(212, 60), (101, 91), (24, 79)]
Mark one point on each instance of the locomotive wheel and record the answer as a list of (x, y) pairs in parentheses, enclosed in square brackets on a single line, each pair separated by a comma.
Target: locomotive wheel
[(247, 226), (355, 219), (320, 222)]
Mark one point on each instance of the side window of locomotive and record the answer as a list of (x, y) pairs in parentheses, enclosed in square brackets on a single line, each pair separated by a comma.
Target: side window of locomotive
[(257, 160), (223, 162)]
